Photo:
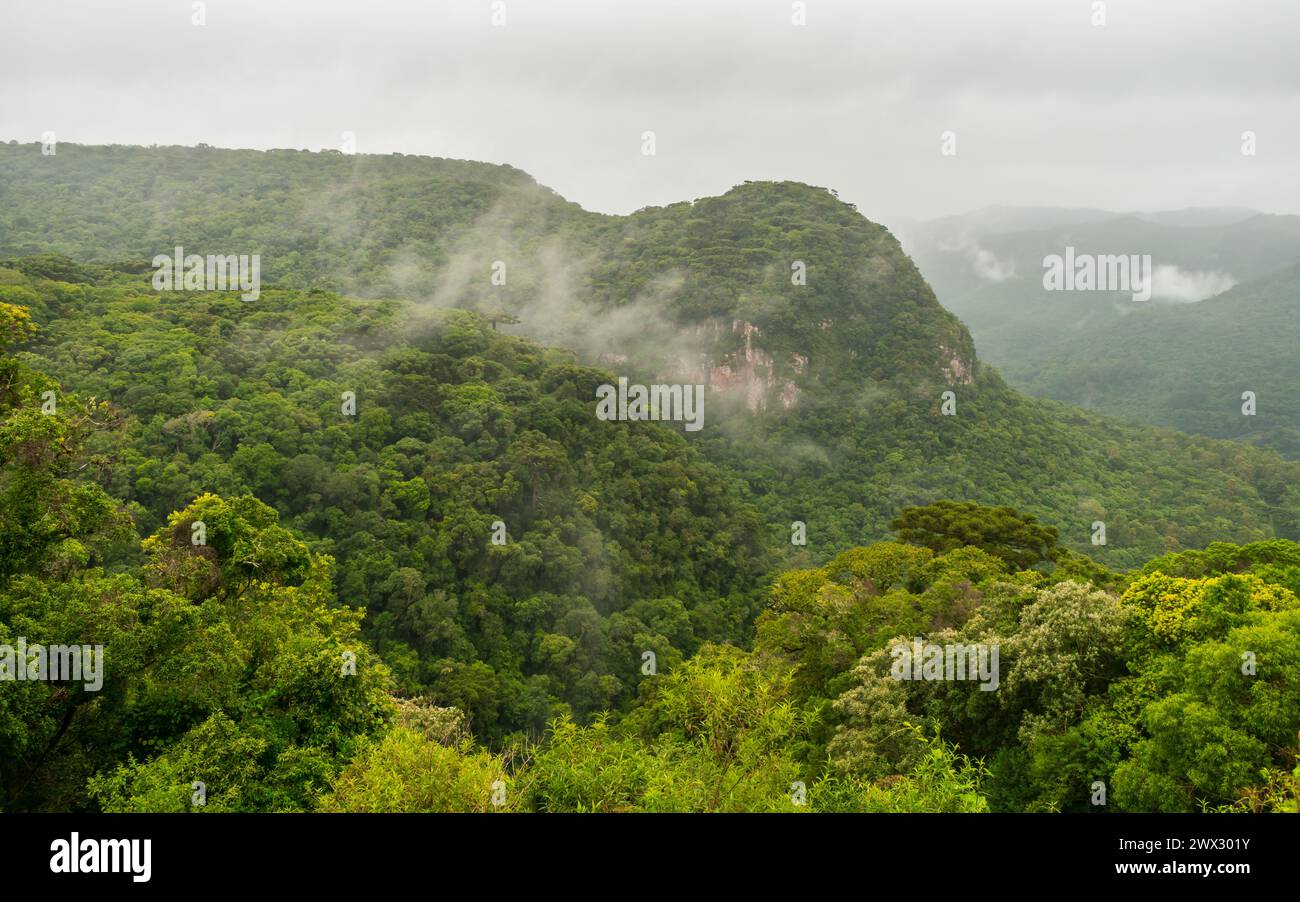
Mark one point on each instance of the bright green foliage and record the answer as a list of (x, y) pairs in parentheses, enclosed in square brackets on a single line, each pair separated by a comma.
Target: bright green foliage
[(48, 518), (242, 546), (713, 735), (407, 771), (826, 619), (1181, 694), (1176, 611), (271, 671), (716, 736), (942, 781), (53, 736), (1225, 672)]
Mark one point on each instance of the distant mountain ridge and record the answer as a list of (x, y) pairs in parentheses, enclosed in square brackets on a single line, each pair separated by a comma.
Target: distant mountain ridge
[(1185, 367), (1189, 366)]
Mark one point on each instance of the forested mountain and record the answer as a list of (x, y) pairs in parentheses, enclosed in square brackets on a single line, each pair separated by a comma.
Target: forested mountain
[(373, 224), (594, 615), (848, 369)]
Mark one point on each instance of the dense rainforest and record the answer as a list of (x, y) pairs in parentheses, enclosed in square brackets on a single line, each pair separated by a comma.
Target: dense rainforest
[(430, 578), (785, 300)]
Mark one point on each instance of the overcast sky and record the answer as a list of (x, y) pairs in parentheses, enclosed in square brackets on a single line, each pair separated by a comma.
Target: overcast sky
[(1143, 113)]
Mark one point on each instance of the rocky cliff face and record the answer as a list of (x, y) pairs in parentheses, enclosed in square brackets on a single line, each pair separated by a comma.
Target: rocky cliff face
[(748, 374), (956, 371), (752, 375)]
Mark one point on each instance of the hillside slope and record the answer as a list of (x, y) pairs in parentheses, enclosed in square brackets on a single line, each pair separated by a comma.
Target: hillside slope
[(1187, 366)]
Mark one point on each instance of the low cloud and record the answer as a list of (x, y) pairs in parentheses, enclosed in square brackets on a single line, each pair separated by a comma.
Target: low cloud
[(1186, 286), (990, 268), (986, 264)]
